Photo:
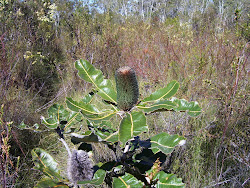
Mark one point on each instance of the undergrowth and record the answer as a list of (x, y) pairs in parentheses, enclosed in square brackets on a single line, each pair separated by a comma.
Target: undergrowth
[(212, 67)]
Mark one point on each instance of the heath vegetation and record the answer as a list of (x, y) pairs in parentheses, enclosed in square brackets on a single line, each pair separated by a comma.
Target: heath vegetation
[(201, 45)]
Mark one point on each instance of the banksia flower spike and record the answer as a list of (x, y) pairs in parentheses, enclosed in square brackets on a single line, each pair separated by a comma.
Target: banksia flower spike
[(127, 88), (80, 166)]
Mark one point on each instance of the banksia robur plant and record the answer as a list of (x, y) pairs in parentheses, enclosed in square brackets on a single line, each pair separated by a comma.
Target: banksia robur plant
[(80, 166), (127, 88), (116, 151)]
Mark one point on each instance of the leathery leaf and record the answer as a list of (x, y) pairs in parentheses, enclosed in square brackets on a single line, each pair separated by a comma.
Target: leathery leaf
[(165, 142), (132, 125), (90, 74)]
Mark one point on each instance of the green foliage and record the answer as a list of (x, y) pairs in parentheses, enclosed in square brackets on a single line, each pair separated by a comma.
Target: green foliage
[(165, 143), (50, 183), (192, 108), (98, 178), (125, 136), (163, 93), (126, 180), (58, 115), (168, 180), (133, 124), (162, 104), (45, 163), (87, 72)]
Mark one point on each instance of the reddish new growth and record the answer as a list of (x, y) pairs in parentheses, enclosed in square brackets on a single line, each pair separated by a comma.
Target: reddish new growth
[(125, 70)]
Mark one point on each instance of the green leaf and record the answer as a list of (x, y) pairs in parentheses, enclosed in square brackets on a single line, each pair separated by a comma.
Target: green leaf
[(59, 111), (165, 143), (96, 136), (43, 160), (34, 127), (88, 98), (22, 125), (51, 123), (132, 125), (168, 180), (73, 118), (193, 109), (107, 136), (162, 104), (106, 125), (98, 118), (45, 163), (104, 131), (90, 74), (59, 116), (89, 111), (126, 181), (98, 178), (81, 106), (164, 93), (50, 183), (88, 136)]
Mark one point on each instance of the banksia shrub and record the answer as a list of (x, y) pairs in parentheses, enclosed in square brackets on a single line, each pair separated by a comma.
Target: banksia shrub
[(130, 161), (127, 88)]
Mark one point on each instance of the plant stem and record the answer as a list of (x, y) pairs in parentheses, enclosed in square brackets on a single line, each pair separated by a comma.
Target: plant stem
[(3, 170)]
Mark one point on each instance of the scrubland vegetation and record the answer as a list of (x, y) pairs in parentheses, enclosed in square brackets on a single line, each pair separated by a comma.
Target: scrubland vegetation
[(204, 45)]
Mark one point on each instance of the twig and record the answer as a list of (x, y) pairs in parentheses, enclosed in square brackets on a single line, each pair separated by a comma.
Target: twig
[(50, 103), (222, 164), (216, 168), (3, 171), (3, 162), (245, 182), (218, 183), (66, 146)]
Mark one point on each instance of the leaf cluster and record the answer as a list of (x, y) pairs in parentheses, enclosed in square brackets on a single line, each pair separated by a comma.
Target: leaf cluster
[(139, 162)]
